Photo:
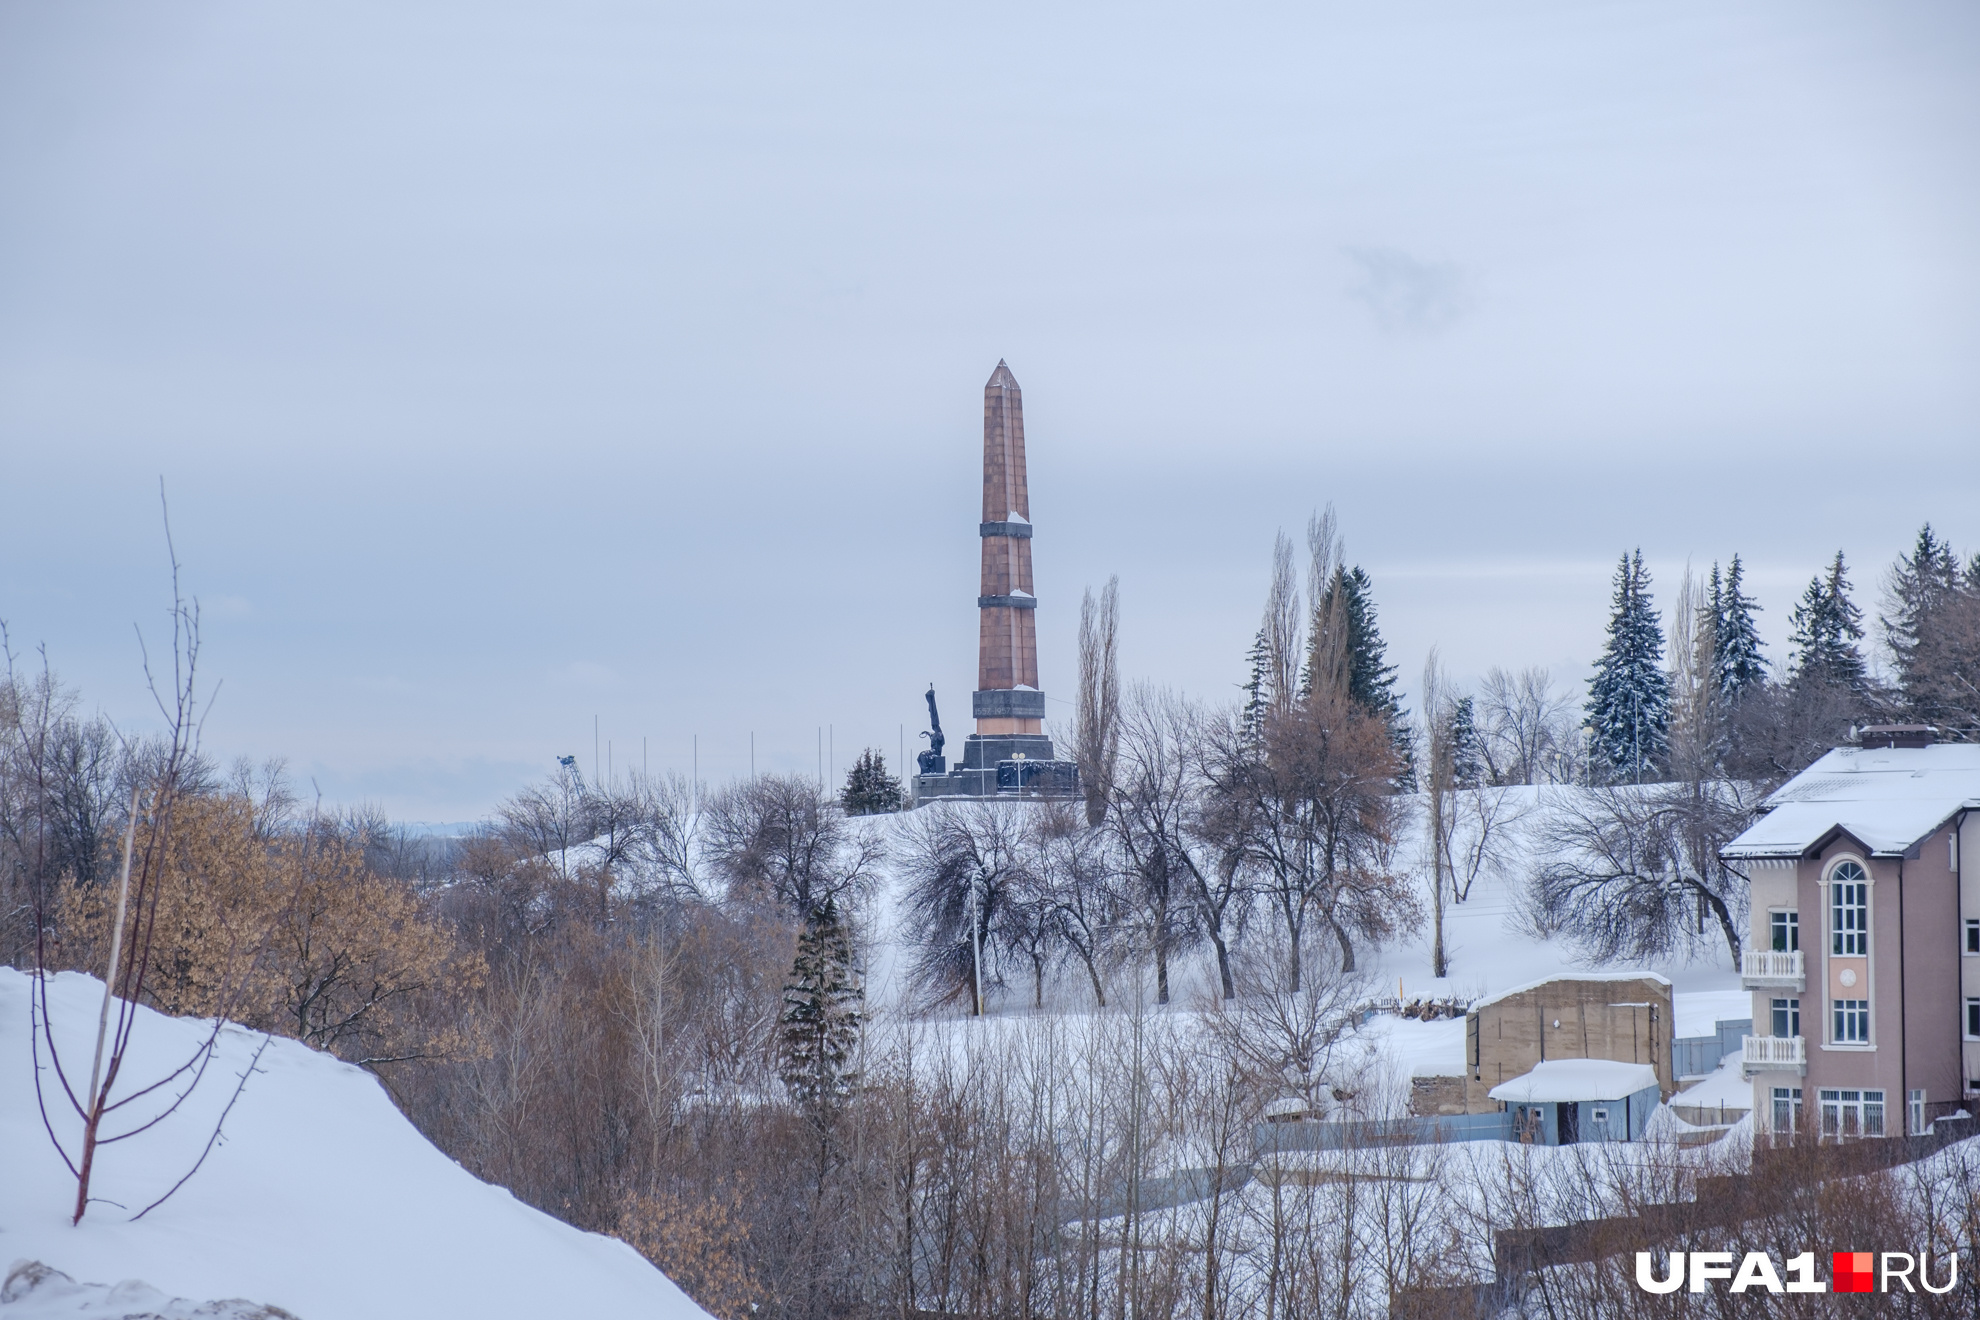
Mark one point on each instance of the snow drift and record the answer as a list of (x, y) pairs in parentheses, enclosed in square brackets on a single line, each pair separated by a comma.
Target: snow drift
[(320, 1198)]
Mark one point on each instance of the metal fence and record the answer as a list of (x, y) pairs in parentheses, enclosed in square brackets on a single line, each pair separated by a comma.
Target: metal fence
[(1276, 1138), (1695, 1056)]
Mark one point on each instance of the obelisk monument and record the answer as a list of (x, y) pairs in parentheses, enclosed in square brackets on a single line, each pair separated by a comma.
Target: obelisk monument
[(1007, 700), (1009, 752)]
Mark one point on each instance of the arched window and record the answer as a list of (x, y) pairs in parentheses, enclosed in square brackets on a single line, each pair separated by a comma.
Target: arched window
[(1849, 911)]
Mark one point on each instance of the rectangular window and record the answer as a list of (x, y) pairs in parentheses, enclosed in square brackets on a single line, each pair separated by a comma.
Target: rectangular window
[(1787, 1106), (1973, 1019), (1972, 935), (1915, 1113), (1785, 928), (1852, 1022), (1787, 1017), (1852, 1113), (1849, 912)]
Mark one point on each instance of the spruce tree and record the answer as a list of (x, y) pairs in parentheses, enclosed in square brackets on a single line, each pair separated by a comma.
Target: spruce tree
[(1824, 630), (1467, 752), (1629, 699), (1371, 680), (1739, 666), (1921, 587), (1256, 699), (869, 789), (818, 1030)]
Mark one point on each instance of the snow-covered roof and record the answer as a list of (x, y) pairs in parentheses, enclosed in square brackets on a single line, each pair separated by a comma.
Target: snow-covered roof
[(1560, 1080), (1887, 798), (1572, 976)]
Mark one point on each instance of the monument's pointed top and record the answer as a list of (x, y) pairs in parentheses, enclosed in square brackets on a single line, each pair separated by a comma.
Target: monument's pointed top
[(1001, 376)]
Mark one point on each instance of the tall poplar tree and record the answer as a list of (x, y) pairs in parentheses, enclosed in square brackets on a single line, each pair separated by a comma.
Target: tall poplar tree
[(1629, 698)]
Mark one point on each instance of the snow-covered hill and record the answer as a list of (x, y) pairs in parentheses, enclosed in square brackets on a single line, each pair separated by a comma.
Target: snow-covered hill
[(321, 1199)]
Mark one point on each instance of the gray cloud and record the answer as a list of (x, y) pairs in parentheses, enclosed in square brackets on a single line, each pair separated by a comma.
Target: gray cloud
[(1406, 295)]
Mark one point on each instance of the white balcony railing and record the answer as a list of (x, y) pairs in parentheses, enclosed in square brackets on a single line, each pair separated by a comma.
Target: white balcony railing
[(1767, 969), (1760, 1054)]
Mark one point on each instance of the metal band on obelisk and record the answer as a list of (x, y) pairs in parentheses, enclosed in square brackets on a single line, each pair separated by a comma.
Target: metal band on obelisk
[(1009, 752)]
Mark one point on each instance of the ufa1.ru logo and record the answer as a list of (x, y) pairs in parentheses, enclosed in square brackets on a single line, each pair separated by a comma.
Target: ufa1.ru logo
[(1850, 1271)]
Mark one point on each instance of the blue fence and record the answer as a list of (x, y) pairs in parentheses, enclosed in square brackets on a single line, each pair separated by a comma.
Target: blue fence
[(1694, 1056), (1271, 1138)]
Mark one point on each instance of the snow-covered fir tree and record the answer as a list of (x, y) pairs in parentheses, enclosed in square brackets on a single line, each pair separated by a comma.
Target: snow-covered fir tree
[(824, 1012), (1921, 587), (1824, 630), (869, 788), (1467, 751), (1257, 700), (1739, 667), (1629, 699)]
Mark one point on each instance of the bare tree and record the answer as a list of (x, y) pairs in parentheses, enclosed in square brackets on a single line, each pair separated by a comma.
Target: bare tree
[(1316, 799), (1482, 838), (1524, 727), (1285, 1030), (1438, 798), (1075, 866), (1327, 640), (1633, 871), (778, 837), (142, 867), (1096, 736), (1697, 743), (1282, 631), (1182, 854), (961, 862)]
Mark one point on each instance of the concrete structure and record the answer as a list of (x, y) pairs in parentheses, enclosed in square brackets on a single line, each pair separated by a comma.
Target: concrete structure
[(1564, 1101), (1864, 950), (1622, 1017), (1010, 752)]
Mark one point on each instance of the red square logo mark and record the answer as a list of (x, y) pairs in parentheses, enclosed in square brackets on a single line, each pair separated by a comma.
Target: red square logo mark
[(1854, 1271)]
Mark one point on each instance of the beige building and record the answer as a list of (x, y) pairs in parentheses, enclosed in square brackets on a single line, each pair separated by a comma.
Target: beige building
[(1864, 950), (1622, 1016)]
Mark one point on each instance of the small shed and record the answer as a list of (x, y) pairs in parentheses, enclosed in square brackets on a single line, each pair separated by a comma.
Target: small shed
[(1564, 1101), (1625, 1016)]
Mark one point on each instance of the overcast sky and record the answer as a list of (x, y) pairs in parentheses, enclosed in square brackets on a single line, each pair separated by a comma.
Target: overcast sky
[(511, 365)]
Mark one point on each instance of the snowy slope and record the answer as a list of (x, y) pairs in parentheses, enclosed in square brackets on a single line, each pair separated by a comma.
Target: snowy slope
[(1487, 947), (322, 1199)]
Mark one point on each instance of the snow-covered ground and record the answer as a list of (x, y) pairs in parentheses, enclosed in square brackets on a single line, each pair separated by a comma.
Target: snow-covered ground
[(1487, 948), (320, 1199)]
